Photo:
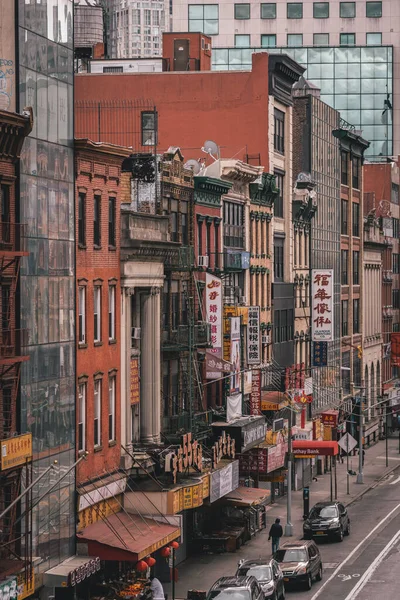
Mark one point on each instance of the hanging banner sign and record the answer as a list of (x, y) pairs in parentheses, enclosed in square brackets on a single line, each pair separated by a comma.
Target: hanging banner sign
[(135, 389), (253, 336), (255, 398), (395, 349), (214, 311), (236, 379), (322, 305), (215, 366)]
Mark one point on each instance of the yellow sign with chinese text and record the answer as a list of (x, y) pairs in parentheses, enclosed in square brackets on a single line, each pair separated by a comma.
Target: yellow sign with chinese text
[(16, 451), (98, 512), (25, 587), (206, 486)]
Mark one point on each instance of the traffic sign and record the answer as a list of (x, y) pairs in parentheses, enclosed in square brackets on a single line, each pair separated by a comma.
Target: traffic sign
[(347, 442)]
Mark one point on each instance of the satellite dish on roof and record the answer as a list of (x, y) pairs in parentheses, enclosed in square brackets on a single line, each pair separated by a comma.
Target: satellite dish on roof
[(193, 165), (211, 148)]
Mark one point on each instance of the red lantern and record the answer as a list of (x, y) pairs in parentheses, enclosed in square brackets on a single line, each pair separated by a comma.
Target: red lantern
[(150, 561), (174, 545), (141, 566), (165, 552)]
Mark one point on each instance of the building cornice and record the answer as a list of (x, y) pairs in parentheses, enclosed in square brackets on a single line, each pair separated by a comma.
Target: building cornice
[(14, 128), (84, 145), (237, 170)]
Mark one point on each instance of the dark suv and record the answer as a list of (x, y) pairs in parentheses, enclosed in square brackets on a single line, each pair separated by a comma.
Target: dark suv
[(300, 563), (327, 520), (236, 588)]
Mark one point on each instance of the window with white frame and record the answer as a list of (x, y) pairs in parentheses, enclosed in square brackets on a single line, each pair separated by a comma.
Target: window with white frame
[(97, 412), (111, 408), (82, 417), (111, 312), (82, 314), (97, 313)]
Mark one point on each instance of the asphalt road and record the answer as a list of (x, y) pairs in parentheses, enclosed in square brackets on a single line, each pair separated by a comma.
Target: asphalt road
[(364, 565)]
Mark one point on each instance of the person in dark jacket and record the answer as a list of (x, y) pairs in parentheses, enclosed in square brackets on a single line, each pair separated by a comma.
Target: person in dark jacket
[(276, 532)]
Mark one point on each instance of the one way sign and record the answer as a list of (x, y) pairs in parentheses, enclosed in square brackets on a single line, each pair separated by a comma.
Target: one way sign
[(347, 443)]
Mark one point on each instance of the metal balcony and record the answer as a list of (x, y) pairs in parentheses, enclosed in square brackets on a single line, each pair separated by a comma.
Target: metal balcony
[(179, 339), (181, 259)]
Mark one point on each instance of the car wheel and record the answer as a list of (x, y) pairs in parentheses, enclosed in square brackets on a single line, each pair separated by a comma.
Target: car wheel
[(309, 582), (307, 536), (348, 528), (340, 535), (319, 574)]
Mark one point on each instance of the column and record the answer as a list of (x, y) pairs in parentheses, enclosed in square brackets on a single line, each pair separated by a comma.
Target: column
[(126, 437), (150, 384)]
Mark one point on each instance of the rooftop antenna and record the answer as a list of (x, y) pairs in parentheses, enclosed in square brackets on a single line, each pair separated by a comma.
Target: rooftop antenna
[(211, 149), (193, 165)]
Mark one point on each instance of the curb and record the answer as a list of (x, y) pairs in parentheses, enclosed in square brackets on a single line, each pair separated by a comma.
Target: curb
[(371, 486)]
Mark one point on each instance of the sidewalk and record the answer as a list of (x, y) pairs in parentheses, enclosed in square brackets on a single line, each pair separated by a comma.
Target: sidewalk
[(200, 572)]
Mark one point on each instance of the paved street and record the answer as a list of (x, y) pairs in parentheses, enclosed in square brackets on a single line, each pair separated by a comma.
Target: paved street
[(362, 566)]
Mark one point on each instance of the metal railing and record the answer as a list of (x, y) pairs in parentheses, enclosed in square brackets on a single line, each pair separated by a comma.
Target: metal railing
[(12, 236), (12, 342)]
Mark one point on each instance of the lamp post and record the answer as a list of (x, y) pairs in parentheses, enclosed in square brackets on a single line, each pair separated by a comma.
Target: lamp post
[(360, 475), (289, 526)]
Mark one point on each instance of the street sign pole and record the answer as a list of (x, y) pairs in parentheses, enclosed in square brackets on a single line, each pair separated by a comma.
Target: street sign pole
[(348, 475)]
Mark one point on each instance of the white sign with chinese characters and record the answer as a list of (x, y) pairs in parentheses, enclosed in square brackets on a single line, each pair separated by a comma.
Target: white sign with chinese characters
[(322, 305), (253, 336), (214, 311)]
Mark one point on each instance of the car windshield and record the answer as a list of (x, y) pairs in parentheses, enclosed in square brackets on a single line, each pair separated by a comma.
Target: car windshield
[(323, 512), (229, 594), (286, 555), (260, 572)]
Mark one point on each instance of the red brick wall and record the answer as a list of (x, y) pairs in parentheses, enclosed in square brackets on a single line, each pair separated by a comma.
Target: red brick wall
[(195, 48), (377, 178), (98, 173)]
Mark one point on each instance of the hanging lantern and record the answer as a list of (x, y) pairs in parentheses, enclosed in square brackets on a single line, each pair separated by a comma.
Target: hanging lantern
[(150, 561), (165, 552), (141, 566), (174, 545)]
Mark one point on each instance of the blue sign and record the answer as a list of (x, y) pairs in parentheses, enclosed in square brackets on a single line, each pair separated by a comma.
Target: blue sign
[(320, 354)]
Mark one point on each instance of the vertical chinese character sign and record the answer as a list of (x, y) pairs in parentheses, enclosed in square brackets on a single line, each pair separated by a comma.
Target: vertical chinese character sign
[(322, 305), (236, 378), (253, 336), (255, 398), (214, 311)]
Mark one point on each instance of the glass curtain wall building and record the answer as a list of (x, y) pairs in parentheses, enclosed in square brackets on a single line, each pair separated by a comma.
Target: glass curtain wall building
[(354, 80), (47, 282)]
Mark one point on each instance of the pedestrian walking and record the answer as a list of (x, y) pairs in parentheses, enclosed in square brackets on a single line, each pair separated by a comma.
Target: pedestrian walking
[(157, 589), (275, 533), (363, 456)]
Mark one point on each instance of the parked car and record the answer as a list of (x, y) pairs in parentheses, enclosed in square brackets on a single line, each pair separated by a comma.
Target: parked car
[(300, 563), (327, 519), (268, 575), (236, 588)]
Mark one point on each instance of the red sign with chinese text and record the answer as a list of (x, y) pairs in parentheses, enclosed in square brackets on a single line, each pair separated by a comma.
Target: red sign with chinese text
[(395, 349)]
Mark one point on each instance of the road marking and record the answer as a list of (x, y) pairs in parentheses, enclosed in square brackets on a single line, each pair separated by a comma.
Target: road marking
[(330, 565), (344, 577), (389, 457), (395, 481), (373, 566), (353, 552)]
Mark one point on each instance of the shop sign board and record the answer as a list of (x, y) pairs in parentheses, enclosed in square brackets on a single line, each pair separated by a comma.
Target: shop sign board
[(255, 397), (248, 381), (216, 365), (190, 454), (26, 587), (330, 418), (223, 447), (276, 456), (322, 305), (8, 589), (16, 451), (235, 356), (254, 460), (253, 336), (253, 434), (98, 512), (214, 311), (320, 354), (224, 480), (135, 388), (110, 490), (84, 571)]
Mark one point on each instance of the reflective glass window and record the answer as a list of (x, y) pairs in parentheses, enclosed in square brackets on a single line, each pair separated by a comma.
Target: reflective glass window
[(268, 10), (374, 39), (242, 41), (374, 9), (294, 39), (321, 39), (294, 10), (321, 10), (203, 18), (347, 39), (268, 41), (242, 11), (347, 10)]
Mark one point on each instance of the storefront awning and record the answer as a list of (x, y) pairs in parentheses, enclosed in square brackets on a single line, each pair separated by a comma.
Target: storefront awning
[(71, 571), (309, 449), (126, 537), (244, 496), (273, 400)]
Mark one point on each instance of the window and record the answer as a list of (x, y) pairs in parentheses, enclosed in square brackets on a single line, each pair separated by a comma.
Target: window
[(396, 298), (395, 193), (396, 228), (396, 263), (82, 314), (347, 10), (278, 259), (113, 69), (345, 268), (321, 39), (97, 221), (345, 317), (149, 128), (111, 312), (7, 412), (242, 41), (268, 11), (278, 204), (111, 221), (81, 219), (203, 18), (344, 166), (374, 10), (344, 227), (347, 39), (356, 315), (321, 10), (5, 213), (97, 313), (111, 409), (294, 40), (346, 371), (356, 219), (268, 41), (97, 412), (396, 327), (82, 417), (279, 131), (200, 237), (294, 10), (277, 326), (356, 368), (174, 291), (356, 267), (184, 224), (374, 39), (5, 307), (242, 11), (233, 225), (356, 162)]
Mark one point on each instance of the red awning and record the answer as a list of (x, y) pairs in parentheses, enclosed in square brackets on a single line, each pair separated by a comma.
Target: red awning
[(308, 449), (126, 537)]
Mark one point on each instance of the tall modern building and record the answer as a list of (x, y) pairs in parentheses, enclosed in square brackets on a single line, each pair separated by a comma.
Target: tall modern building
[(350, 50)]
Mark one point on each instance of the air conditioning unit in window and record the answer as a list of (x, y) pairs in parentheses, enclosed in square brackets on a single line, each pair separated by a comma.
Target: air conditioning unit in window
[(208, 47), (136, 333), (202, 261)]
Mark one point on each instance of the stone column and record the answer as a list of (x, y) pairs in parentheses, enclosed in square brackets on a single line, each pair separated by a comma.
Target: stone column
[(150, 384)]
